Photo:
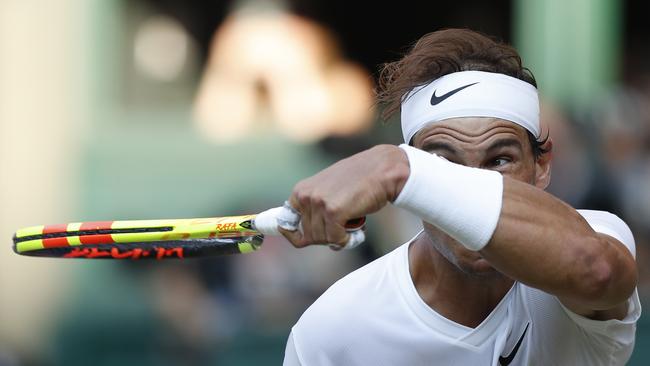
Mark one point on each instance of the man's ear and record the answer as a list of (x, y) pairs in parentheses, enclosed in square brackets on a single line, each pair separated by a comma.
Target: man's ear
[(543, 165)]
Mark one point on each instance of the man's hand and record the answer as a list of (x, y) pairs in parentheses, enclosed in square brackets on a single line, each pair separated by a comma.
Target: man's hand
[(351, 188)]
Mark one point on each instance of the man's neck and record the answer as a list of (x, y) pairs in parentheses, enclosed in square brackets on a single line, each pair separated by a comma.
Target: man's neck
[(459, 296)]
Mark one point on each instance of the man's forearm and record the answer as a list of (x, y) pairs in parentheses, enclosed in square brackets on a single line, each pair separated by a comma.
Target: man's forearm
[(543, 242)]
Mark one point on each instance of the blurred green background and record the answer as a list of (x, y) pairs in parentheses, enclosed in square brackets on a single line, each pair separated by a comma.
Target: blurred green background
[(170, 109)]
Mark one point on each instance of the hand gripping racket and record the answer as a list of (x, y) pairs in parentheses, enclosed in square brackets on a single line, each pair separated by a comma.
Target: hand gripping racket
[(162, 239)]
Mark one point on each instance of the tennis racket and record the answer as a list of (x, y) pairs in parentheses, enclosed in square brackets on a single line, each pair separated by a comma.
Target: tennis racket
[(163, 239)]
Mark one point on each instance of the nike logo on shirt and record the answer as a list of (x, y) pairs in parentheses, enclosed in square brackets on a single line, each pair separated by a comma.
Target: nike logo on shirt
[(438, 99), (505, 361)]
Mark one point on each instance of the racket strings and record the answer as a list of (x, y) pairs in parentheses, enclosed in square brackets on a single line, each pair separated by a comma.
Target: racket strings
[(157, 250), (94, 232)]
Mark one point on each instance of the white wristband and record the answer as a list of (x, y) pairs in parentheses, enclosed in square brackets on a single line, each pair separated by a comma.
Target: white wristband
[(463, 202)]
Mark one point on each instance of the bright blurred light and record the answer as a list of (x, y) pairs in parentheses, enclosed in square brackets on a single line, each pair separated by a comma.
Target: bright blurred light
[(351, 88), (226, 108), (309, 90), (161, 48)]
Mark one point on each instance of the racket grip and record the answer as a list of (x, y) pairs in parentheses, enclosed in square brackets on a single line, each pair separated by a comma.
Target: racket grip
[(286, 217), (267, 222)]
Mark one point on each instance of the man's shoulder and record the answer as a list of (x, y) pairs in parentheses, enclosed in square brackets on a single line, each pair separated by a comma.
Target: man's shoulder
[(608, 223), (600, 215)]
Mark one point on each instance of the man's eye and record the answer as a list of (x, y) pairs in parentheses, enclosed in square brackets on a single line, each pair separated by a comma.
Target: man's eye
[(500, 161)]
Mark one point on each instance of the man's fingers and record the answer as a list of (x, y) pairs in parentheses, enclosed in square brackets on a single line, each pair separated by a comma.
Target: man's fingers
[(297, 239), (294, 237), (336, 233), (318, 229), (318, 224), (339, 246)]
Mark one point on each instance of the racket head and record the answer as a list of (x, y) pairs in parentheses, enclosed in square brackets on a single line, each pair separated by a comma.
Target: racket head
[(141, 239), (180, 249)]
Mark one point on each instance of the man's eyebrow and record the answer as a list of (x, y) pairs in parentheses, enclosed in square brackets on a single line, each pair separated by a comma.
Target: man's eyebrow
[(439, 145), (508, 142)]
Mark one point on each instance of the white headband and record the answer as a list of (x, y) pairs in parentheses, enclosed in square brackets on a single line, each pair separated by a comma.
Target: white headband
[(471, 94)]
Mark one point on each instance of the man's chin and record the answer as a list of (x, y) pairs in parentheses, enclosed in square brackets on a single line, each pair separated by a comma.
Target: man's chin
[(481, 267)]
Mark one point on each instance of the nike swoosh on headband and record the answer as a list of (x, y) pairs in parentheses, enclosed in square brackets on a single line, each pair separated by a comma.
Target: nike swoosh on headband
[(438, 99), (504, 361)]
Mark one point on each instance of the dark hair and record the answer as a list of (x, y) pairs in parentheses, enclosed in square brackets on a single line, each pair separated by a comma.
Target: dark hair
[(443, 52), (537, 145)]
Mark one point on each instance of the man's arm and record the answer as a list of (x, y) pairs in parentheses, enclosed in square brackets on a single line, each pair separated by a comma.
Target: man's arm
[(538, 240), (546, 244), (351, 188)]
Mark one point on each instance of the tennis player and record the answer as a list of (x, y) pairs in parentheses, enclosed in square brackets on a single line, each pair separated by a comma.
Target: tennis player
[(503, 273)]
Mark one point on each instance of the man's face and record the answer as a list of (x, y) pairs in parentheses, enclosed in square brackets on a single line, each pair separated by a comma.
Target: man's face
[(486, 143)]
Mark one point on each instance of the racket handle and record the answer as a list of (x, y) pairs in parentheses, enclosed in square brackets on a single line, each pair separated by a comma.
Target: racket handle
[(286, 217)]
